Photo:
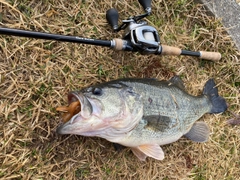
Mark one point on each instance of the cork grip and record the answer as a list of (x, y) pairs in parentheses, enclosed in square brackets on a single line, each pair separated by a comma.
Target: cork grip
[(169, 50), (213, 56), (118, 44)]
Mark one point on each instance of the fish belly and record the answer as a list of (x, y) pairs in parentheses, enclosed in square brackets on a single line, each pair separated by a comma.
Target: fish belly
[(147, 133)]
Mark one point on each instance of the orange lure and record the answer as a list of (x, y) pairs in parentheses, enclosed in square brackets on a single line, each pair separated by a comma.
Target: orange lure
[(70, 110)]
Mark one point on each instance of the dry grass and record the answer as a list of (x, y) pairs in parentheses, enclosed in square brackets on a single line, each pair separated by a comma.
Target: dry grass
[(35, 76)]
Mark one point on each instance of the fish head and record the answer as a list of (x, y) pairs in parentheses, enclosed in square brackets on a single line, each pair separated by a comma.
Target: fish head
[(105, 111)]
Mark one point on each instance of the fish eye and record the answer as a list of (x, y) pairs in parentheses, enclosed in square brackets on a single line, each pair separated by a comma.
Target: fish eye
[(97, 91)]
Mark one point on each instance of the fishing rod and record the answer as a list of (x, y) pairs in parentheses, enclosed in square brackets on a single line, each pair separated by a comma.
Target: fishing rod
[(138, 36)]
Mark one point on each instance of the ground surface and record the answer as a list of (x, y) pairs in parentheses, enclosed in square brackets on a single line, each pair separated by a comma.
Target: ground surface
[(36, 75)]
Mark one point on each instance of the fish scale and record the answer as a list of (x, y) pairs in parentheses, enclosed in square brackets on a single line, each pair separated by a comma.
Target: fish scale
[(163, 102)]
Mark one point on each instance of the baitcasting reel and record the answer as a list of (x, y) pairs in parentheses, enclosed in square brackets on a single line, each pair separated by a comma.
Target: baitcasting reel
[(138, 36), (144, 38)]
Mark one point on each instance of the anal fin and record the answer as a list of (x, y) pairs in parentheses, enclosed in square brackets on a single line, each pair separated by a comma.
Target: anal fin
[(199, 132)]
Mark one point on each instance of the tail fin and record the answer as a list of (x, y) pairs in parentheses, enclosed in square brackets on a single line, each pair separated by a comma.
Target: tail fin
[(218, 103)]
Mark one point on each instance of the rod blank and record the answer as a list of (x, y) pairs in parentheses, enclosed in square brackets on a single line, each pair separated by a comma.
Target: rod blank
[(48, 36)]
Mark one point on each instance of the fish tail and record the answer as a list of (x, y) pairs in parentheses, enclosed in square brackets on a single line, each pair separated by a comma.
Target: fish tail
[(218, 103)]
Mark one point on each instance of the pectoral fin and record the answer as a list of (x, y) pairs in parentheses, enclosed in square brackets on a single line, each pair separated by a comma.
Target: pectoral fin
[(199, 132), (151, 150)]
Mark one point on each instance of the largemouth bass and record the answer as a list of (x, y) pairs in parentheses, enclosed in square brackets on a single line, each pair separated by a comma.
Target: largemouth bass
[(141, 113)]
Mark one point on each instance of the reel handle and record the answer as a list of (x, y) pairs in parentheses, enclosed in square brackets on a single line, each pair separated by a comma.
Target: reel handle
[(112, 18), (169, 50), (146, 4)]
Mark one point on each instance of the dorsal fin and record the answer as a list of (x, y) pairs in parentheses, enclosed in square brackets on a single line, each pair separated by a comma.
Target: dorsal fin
[(177, 81)]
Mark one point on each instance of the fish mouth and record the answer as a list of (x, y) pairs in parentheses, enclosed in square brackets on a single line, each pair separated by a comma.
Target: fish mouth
[(79, 108), (90, 116)]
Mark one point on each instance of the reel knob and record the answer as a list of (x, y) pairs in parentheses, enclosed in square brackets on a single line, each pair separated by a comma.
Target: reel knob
[(146, 4), (112, 18)]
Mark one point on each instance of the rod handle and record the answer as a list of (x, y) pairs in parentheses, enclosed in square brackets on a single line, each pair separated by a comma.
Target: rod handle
[(175, 51), (169, 50), (112, 18), (118, 44), (214, 56)]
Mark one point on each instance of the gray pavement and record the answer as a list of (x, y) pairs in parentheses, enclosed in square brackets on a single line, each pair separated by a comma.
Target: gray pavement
[(229, 13)]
